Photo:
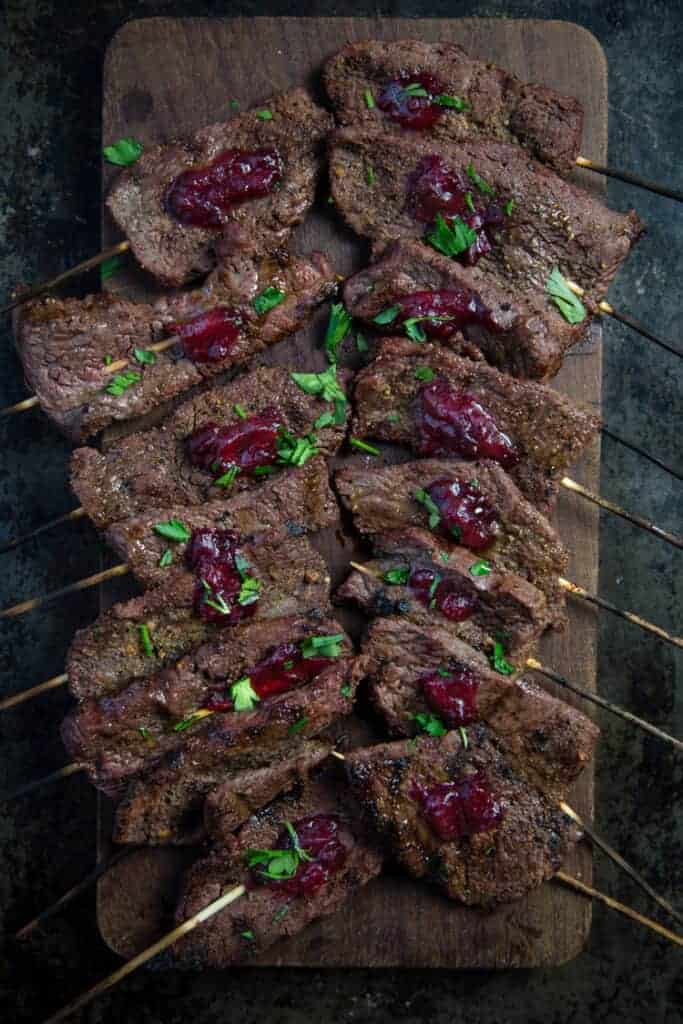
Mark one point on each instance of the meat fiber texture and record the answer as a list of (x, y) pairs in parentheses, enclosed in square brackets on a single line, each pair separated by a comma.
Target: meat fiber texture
[(499, 105), (296, 502), (505, 603), (264, 915), (529, 337), (550, 738), (550, 431), (105, 656), (151, 468), (119, 736), (175, 253), (498, 865), (552, 223), (66, 345), (382, 501)]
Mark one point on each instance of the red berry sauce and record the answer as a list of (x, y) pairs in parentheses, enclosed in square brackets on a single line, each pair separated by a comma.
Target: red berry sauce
[(246, 444), (444, 593), (209, 337), (466, 515), (453, 308), (201, 197), (452, 694), (416, 113), (212, 555), (318, 836), (284, 669), (457, 809), (455, 423)]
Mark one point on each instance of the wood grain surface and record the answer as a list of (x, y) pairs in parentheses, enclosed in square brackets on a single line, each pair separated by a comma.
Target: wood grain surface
[(168, 77)]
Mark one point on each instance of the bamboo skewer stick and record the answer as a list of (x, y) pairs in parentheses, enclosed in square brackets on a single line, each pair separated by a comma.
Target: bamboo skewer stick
[(35, 691), (630, 179), (643, 454), (637, 620), (625, 318), (29, 787), (617, 510), (69, 517), (88, 581)]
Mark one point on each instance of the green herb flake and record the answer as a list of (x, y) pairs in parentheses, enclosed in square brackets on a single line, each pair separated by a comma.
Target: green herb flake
[(415, 89), (434, 514), (248, 935), (123, 153), (111, 266), (325, 419), (187, 722), (454, 102), (431, 724), (145, 356), (569, 304), (264, 470), (444, 556), (323, 384), (227, 479), (268, 299), (250, 591), (276, 864), (145, 733), (108, 360), (478, 181), (397, 577), (282, 912), (264, 115), (434, 586), (298, 725), (363, 446), (322, 646), (361, 343), (469, 202), (214, 600), (393, 417), (166, 559), (387, 316), (173, 530), (243, 695), (120, 382), (509, 207), (146, 640), (346, 690), (241, 411), (451, 239), (498, 660), (443, 672), (464, 739), (337, 329), (234, 105), (294, 451), (424, 373), (413, 329), (369, 99), (370, 176), (480, 568)]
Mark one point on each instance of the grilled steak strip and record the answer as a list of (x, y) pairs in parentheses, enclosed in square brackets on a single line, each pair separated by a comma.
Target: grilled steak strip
[(504, 603), (152, 468), (264, 913), (496, 865), (107, 655), (550, 738), (66, 345), (297, 501), (552, 223), (175, 252), (549, 431), (123, 735), (382, 499), (499, 105)]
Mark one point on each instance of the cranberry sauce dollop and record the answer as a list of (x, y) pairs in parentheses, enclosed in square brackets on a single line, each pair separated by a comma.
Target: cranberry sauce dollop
[(456, 423), (452, 694), (284, 669), (417, 113), (466, 515), (444, 593), (442, 313), (212, 556), (319, 836), (201, 197), (457, 809), (246, 444), (209, 337), (434, 187)]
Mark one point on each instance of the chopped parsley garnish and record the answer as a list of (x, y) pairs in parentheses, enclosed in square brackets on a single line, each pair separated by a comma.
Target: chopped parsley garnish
[(123, 153), (363, 447), (288, 665), (264, 115), (143, 355), (444, 556), (431, 724), (569, 304), (241, 411), (370, 176), (282, 912), (324, 384), (268, 299), (424, 373), (196, 716), (250, 590), (469, 202), (346, 690), (433, 587), (393, 417), (480, 568), (243, 695), (387, 316), (248, 935), (276, 864), (369, 99), (397, 577), (173, 530), (120, 382), (451, 239), (434, 514), (112, 266), (499, 661), (215, 601), (337, 329), (509, 207), (108, 360), (293, 451), (478, 181), (361, 343), (415, 89), (443, 672), (228, 479), (145, 733), (234, 105), (264, 470), (146, 640), (413, 329), (464, 739), (298, 725), (322, 646), (454, 102), (166, 559)]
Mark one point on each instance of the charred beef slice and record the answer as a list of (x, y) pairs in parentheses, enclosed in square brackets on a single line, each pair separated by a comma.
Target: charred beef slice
[(497, 104), (153, 468), (66, 345), (524, 847), (265, 914), (497, 603), (105, 656), (549, 738), (382, 501), (122, 735), (174, 252)]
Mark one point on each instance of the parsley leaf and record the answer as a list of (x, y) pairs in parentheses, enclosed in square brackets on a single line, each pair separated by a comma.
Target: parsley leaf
[(451, 239), (173, 530), (146, 640), (143, 355), (361, 343), (268, 299), (166, 559), (241, 411), (478, 181), (464, 738), (264, 115), (249, 935), (431, 724), (215, 601), (454, 102), (294, 451), (569, 304), (509, 207), (369, 99), (120, 382), (469, 201), (123, 153), (228, 479), (480, 568), (413, 329), (346, 690), (434, 514), (278, 864), (498, 660), (112, 266), (424, 373), (397, 577), (298, 725), (282, 912), (324, 384), (370, 176), (337, 329), (250, 591), (415, 89), (363, 446), (387, 316), (243, 695), (191, 719), (322, 646)]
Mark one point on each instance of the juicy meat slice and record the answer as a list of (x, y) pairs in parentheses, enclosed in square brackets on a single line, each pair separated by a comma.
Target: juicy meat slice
[(499, 602), (264, 914), (107, 655), (152, 467), (526, 336), (121, 735), (552, 740), (499, 105), (548, 430), (522, 848), (66, 345), (382, 502), (174, 252), (297, 502)]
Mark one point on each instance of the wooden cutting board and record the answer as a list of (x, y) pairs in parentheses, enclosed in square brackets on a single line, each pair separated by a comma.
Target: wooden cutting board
[(168, 77)]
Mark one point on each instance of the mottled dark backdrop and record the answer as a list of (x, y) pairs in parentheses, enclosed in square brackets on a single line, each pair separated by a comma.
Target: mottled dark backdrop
[(51, 55)]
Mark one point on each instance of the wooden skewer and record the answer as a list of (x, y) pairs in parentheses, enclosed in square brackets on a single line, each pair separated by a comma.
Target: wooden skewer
[(69, 517), (642, 453), (29, 787), (89, 581), (624, 318), (35, 691), (617, 510), (630, 179)]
